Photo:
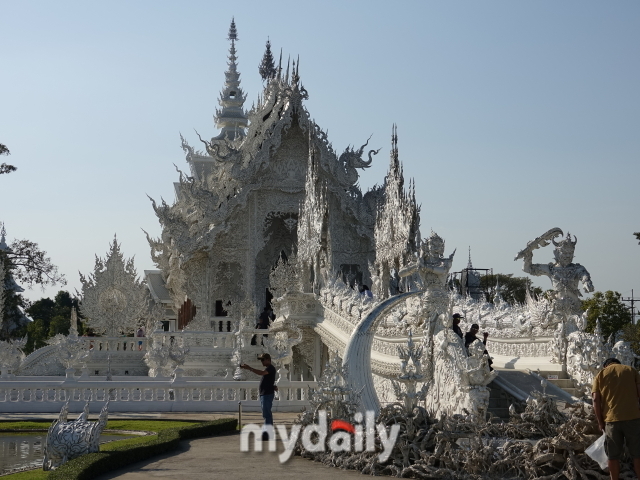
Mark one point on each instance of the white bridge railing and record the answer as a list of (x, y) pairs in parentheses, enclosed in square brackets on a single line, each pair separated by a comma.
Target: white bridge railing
[(145, 394)]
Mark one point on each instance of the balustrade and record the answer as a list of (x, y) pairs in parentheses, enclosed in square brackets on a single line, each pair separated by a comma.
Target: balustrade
[(116, 344), (31, 394)]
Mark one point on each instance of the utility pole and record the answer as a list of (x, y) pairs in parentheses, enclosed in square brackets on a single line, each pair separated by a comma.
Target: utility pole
[(632, 300)]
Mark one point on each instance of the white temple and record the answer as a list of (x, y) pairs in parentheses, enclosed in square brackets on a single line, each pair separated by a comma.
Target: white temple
[(269, 215)]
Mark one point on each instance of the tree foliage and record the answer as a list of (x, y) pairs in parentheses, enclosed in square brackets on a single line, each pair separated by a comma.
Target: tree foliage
[(512, 289), (12, 317), (637, 234), (614, 315), (50, 317), (631, 334), (5, 167), (24, 264), (31, 266)]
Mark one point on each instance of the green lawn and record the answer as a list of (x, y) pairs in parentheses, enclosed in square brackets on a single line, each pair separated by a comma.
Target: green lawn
[(137, 425), (28, 475), (9, 426)]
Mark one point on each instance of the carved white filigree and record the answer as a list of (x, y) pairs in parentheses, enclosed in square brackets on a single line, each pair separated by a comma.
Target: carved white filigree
[(285, 277), (406, 385), (283, 336), (459, 377), (397, 234), (70, 349), (585, 354), (333, 393), (113, 297), (11, 355), (164, 355)]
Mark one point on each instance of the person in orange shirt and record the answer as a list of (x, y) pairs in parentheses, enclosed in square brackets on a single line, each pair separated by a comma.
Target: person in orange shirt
[(616, 403)]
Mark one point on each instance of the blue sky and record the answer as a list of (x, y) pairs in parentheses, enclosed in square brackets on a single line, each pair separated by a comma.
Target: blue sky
[(513, 117)]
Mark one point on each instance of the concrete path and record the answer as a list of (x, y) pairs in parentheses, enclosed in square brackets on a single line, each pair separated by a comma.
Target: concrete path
[(220, 458)]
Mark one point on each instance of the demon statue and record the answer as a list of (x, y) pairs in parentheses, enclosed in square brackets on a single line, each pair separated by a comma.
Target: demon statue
[(433, 268), (565, 276)]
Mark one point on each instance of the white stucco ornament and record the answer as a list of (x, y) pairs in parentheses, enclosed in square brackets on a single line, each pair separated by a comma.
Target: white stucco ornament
[(113, 297), (11, 355)]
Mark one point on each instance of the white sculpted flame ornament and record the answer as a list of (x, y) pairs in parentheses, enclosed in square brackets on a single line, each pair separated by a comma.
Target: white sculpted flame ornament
[(284, 278), (112, 296), (410, 375)]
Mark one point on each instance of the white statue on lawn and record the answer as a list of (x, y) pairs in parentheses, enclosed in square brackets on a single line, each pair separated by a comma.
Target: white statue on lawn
[(68, 440)]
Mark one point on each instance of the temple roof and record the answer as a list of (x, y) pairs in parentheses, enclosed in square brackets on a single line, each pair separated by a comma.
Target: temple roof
[(156, 286)]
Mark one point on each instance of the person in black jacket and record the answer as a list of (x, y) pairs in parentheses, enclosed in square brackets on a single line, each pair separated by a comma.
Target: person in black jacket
[(456, 321), (266, 389), (470, 337)]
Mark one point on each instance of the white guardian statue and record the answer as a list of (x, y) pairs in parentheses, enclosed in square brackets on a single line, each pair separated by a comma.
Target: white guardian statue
[(565, 276)]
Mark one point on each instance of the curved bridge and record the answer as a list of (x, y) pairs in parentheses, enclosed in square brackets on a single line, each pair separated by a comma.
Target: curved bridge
[(357, 357)]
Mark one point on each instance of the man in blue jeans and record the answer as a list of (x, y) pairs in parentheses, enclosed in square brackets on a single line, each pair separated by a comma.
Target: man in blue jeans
[(267, 390)]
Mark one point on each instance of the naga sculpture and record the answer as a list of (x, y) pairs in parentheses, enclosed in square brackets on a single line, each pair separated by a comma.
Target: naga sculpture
[(352, 158), (565, 276), (68, 440)]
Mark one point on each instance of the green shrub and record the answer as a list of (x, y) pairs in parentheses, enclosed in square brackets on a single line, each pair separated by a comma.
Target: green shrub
[(92, 465)]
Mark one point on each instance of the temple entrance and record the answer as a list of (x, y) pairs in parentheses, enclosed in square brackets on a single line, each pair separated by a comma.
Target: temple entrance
[(281, 231)]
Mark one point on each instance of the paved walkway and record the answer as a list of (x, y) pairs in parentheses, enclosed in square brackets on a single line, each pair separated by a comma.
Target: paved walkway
[(213, 457), (220, 458)]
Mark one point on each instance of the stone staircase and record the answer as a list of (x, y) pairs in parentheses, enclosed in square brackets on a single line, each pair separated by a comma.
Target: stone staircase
[(514, 386), (563, 381), (499, 402)]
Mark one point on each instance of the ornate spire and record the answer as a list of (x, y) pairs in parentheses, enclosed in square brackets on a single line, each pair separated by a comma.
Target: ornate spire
[(395, 168), (3, 242), (267, 67), (231, 118), (469, 264), (233, 33)]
